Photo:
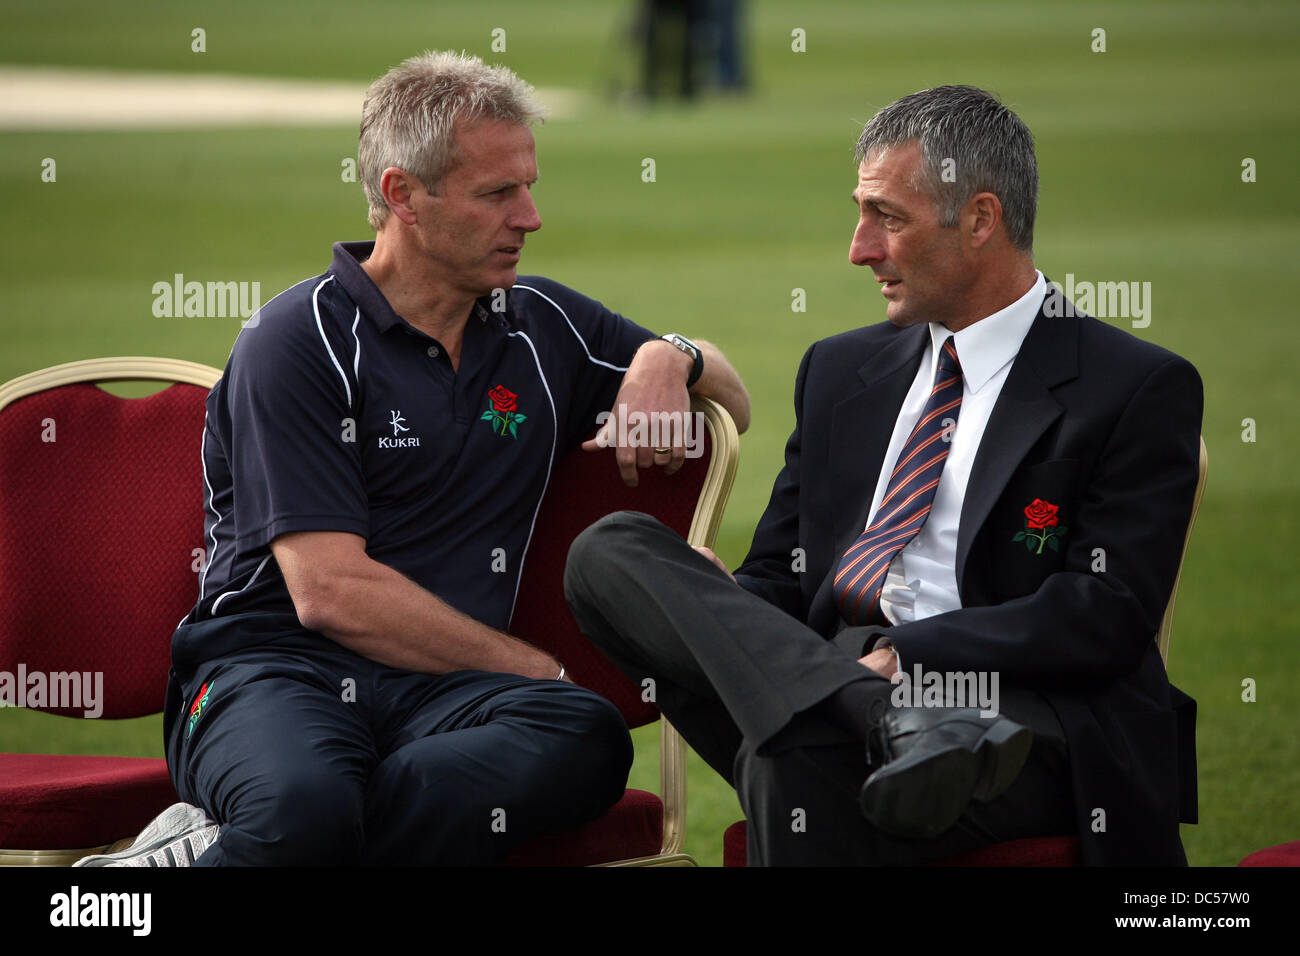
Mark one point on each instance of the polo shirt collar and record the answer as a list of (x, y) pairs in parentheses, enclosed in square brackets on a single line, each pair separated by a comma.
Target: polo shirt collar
[(361, 289), (984, 347)]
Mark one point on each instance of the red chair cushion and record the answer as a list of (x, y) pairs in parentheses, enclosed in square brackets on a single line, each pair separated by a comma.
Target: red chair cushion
[(733, 844), (585, 487), (1285, 854), (1034, 851), (633, 827), (55, 802), (97, 536)]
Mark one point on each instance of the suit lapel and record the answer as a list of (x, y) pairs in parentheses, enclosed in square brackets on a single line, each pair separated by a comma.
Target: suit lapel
[(1024, 410), (862, 425)]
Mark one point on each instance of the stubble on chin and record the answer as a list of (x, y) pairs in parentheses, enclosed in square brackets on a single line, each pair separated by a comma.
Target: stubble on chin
[(903, 318)]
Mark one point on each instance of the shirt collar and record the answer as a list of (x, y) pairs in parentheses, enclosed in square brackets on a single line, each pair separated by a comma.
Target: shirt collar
[(984, 347), (346, 267)]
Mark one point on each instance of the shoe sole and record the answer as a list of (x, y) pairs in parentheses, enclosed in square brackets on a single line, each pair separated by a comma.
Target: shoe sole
[(920, 799), (180, 851), (1002, 753)]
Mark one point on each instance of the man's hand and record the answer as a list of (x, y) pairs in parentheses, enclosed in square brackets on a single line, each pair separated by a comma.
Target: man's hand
[(882, 661), (654, 394), (654, 388), (708, 553)]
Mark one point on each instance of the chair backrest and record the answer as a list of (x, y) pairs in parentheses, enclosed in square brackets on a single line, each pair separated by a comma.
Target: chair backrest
[(584, 487), (1167, 623), (101, 527)]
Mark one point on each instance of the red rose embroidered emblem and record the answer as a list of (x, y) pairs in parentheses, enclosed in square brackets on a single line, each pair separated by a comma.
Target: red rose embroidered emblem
[(502, 412), (503, 400), (1040, 517)]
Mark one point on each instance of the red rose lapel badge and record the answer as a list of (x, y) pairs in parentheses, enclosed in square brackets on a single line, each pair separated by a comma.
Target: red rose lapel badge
[(1041, 527)]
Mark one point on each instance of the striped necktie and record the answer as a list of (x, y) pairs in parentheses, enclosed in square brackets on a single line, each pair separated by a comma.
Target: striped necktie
[(860, 576)]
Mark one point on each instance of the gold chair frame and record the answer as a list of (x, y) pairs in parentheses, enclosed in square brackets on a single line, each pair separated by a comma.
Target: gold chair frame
[(703, 533)]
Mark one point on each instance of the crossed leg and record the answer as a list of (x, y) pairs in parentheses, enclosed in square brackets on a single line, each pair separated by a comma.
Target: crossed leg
[(743, 680)]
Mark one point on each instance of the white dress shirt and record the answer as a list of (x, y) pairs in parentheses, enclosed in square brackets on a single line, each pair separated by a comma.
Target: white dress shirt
[(922, 579)]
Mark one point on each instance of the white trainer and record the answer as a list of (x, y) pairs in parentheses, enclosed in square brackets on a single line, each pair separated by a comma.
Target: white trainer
[(175, 837)]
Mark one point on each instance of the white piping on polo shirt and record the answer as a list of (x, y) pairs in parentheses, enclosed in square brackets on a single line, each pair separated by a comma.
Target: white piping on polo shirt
[(227, 594), (573, 329), (555, 432), (315, 307), (356, 358), (203, 463), (257, 314), (203, 460), (212, 554)]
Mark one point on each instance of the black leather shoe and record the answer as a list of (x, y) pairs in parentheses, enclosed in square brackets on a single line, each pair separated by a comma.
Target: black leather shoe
[(935, 761)]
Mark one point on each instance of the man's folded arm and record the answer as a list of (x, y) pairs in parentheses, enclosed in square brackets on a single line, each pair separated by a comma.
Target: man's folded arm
[(373, 610), (719, 381), (1082, 627), (651, 379)]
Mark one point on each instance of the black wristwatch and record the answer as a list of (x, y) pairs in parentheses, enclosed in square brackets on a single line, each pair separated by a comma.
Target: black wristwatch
[(691, 349)]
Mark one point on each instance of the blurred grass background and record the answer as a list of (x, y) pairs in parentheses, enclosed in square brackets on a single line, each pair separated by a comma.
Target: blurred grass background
[(1140, 151)]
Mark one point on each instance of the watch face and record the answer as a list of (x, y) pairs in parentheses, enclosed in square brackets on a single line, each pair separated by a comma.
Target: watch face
[(683, 343), (691, 349)]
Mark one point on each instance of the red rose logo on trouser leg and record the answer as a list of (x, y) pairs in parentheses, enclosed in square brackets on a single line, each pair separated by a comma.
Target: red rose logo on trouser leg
[(1040, 516), (502, 412), (196, 709)]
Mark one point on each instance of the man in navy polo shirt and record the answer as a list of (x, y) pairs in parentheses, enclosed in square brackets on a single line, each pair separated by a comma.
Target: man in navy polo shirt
[(374, 459)]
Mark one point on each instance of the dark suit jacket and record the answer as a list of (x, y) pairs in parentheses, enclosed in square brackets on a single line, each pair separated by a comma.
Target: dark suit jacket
[(1091, 419)]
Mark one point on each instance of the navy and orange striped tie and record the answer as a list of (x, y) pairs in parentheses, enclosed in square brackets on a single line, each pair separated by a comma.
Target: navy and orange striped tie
[(908, 497)]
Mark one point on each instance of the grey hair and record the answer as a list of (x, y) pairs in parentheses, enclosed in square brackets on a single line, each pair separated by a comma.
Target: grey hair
[(989, 147), (410, 116)]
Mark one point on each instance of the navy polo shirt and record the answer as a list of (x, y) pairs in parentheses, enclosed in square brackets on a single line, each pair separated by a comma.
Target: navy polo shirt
[(335, 414)]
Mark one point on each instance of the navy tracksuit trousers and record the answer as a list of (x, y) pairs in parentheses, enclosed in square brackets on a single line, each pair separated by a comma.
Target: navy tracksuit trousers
[(307, 753)]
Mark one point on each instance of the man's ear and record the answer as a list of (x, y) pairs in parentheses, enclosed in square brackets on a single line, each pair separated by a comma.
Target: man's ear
[(980, 218), (397, 186)]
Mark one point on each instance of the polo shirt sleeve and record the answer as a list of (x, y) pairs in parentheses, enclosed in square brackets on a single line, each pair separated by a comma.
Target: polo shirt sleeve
[(603, 347), (294, 456)]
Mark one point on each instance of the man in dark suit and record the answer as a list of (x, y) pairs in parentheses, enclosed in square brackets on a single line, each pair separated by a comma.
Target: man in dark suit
[(990, 490)]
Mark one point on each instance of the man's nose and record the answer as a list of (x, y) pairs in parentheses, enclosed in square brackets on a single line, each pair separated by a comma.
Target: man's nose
[(526, 215), (866, 246)]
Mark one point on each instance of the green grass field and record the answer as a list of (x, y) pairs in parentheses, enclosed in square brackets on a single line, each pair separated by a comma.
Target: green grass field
[(1140, 151)]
